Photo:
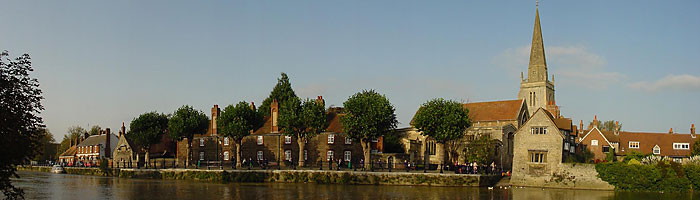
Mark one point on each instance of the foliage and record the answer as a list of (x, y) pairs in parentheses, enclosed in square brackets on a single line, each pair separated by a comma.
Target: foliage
[(47, 146), (662, 176), (693, 160), (653, 160), (302, 120), (73, 133), (104, 166), (585, 156), (607, 125), (610, 156), (95, 130), (147, 129), (237, 121), (480, 150), (20, 107), (692, 171), (368, 115), (696, 148), (442, 120), (282, 92), (635, 155), (186, 121), (392, 143)]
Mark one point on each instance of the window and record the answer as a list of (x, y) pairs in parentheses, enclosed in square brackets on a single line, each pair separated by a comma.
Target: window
[(634, 145), (287, 139), (260, 155), (431, 147), (681, 146), (572, 150), (348, 140), (331, 138), (226, 156), (594, 142), (201, 155), (657, 150), (201, 142), (329, 155), (306, 155), (260, 140), (375, 140), (538, 130), (606, 149), (347, 156), (538, 156), (288, 155), (566, 146), (226, 141)]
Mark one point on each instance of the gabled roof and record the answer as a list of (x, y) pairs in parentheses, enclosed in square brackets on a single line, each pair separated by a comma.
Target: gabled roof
[(332, 116), (334, 124), (564, 123), (549, 116), (595, 130), (648, 140), (494, 110), (97, 139), (70, 151)]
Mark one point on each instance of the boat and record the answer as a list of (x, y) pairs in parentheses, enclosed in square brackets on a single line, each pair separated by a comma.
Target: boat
[(57, 169)]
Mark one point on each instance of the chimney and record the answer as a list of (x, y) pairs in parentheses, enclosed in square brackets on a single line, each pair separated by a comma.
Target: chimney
[(108, 147), (581, 126), (215, 111), (252, 105), (122, 131), (319, 99), (274, 108), (692, 130), (670, 131)]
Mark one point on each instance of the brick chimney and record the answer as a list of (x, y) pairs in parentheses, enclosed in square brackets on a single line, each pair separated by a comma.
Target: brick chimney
[(616, 130), (319, 99), (553, 108), (252, 105), (274, 109), (581, 127), (692, 130), (670, 131), (215, 111), (108, 146)]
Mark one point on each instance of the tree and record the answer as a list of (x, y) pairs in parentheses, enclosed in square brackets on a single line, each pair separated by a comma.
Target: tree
[(481, 149), (95, 130), (237, 122), (47, 146), (302, 121), (73, 133), (282, 92), (147, 130), (184, 123), (442, 120), (696, 148), (20, 107), (368, 115), (607, 125)]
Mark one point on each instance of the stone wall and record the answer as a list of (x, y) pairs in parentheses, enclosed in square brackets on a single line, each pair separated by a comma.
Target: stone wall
[(568, 175)]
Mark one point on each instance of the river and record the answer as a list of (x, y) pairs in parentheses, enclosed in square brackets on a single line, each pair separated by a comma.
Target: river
[(39, 185)]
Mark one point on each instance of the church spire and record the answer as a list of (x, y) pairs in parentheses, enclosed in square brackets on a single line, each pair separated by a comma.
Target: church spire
[(537, 69)]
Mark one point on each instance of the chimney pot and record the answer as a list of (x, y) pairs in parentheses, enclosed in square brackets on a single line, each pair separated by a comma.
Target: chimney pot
[(692, 130), (670, 131)]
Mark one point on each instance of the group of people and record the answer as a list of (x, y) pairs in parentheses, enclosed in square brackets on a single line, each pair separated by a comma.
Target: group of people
[(475, 168), (264, 163)]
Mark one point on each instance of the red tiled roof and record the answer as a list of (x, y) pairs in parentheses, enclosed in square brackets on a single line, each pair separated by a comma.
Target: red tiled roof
[(494, 110), (647, 141), (334, 124), (563, 123), (70, 151)]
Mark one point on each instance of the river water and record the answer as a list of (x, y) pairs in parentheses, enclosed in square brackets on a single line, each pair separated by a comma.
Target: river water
[(39, 185)]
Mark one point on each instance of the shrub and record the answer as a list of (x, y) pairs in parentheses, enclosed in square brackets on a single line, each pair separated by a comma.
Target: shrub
[(693, 174), (662, 176)]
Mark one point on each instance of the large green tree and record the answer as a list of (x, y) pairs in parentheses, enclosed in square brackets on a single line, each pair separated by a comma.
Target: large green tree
[(282, 92), (443, 121), (146, 130), (368, 115), (184, 123), (302, 121), (95, 130), (73, 133), (20, 107), (47, 146), (237, 122)]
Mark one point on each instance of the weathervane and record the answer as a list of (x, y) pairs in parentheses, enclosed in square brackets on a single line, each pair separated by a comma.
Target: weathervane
[(537, 3)]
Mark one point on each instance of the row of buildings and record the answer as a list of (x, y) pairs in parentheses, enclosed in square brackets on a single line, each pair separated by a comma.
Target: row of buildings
[(531, 136)]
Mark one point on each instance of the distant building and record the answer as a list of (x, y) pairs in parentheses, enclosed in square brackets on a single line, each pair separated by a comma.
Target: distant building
[(128, 155)]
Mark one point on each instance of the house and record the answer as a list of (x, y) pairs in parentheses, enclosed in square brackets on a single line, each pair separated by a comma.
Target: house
[(128, 155), (600, 142), (674, 145), (96, 147)]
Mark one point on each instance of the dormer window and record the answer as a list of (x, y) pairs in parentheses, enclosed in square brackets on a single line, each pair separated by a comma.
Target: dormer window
[(657, 150)]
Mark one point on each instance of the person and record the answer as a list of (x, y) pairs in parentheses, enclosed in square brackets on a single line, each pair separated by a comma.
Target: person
[(330, 164), (475, 167), (362, 164), (406, 165), (493, 167)]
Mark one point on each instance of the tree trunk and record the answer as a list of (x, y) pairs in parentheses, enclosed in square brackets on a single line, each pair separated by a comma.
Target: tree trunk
[(238, 154), (148, 158), (442, 157), (366, 152), (302, 144)]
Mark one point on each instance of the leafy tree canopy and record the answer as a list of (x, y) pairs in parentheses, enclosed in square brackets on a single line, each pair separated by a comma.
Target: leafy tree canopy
[(237, 121), (607, 125), (368, 115), (147, 129), (442, 120), (304, 120), (186, 121), (73, 133), (282, 92), (20, 106), (95, 130)]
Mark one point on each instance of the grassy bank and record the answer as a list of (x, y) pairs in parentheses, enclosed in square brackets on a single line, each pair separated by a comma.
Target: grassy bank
[(289, 176)]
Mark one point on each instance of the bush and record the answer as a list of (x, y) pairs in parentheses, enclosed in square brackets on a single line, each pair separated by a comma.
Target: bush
[(663, 176), (693, 174)]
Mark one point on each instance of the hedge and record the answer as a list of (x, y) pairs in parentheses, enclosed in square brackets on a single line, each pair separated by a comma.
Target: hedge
[(668, 177)]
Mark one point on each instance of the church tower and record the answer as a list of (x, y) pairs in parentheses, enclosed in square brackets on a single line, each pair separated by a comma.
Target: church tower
[(537, 90)]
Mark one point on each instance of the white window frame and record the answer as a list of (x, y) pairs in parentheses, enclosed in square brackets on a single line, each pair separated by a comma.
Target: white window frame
[(656, 150), (201, 155), (566, 146), (226, 155), (260, 140), (681, 146), (594, 142), (331, 138), (260, 155), (329, 155), (287, 139), (288, 155), (633, 144), (226, 141), (348, 140), (347, 156), (201, 142)]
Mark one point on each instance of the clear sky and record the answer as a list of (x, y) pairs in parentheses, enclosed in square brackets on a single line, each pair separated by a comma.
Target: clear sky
[(106, 62)]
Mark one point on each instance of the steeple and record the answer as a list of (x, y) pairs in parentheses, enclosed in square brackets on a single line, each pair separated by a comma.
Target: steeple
[(537, 69)]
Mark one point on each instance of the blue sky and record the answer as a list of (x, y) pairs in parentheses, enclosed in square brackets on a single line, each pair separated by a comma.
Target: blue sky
[(105, 62)]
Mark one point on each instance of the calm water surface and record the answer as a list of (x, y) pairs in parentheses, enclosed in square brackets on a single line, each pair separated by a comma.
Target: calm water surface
[(38, 185)]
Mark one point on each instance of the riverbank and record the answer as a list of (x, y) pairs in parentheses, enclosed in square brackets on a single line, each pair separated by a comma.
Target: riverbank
[(289, 176)]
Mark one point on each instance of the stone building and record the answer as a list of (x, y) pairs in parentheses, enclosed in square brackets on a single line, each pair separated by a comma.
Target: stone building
[(129, 155), (537, 90)]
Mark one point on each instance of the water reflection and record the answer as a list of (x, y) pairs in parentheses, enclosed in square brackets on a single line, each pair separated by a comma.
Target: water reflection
[(61, 186)]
